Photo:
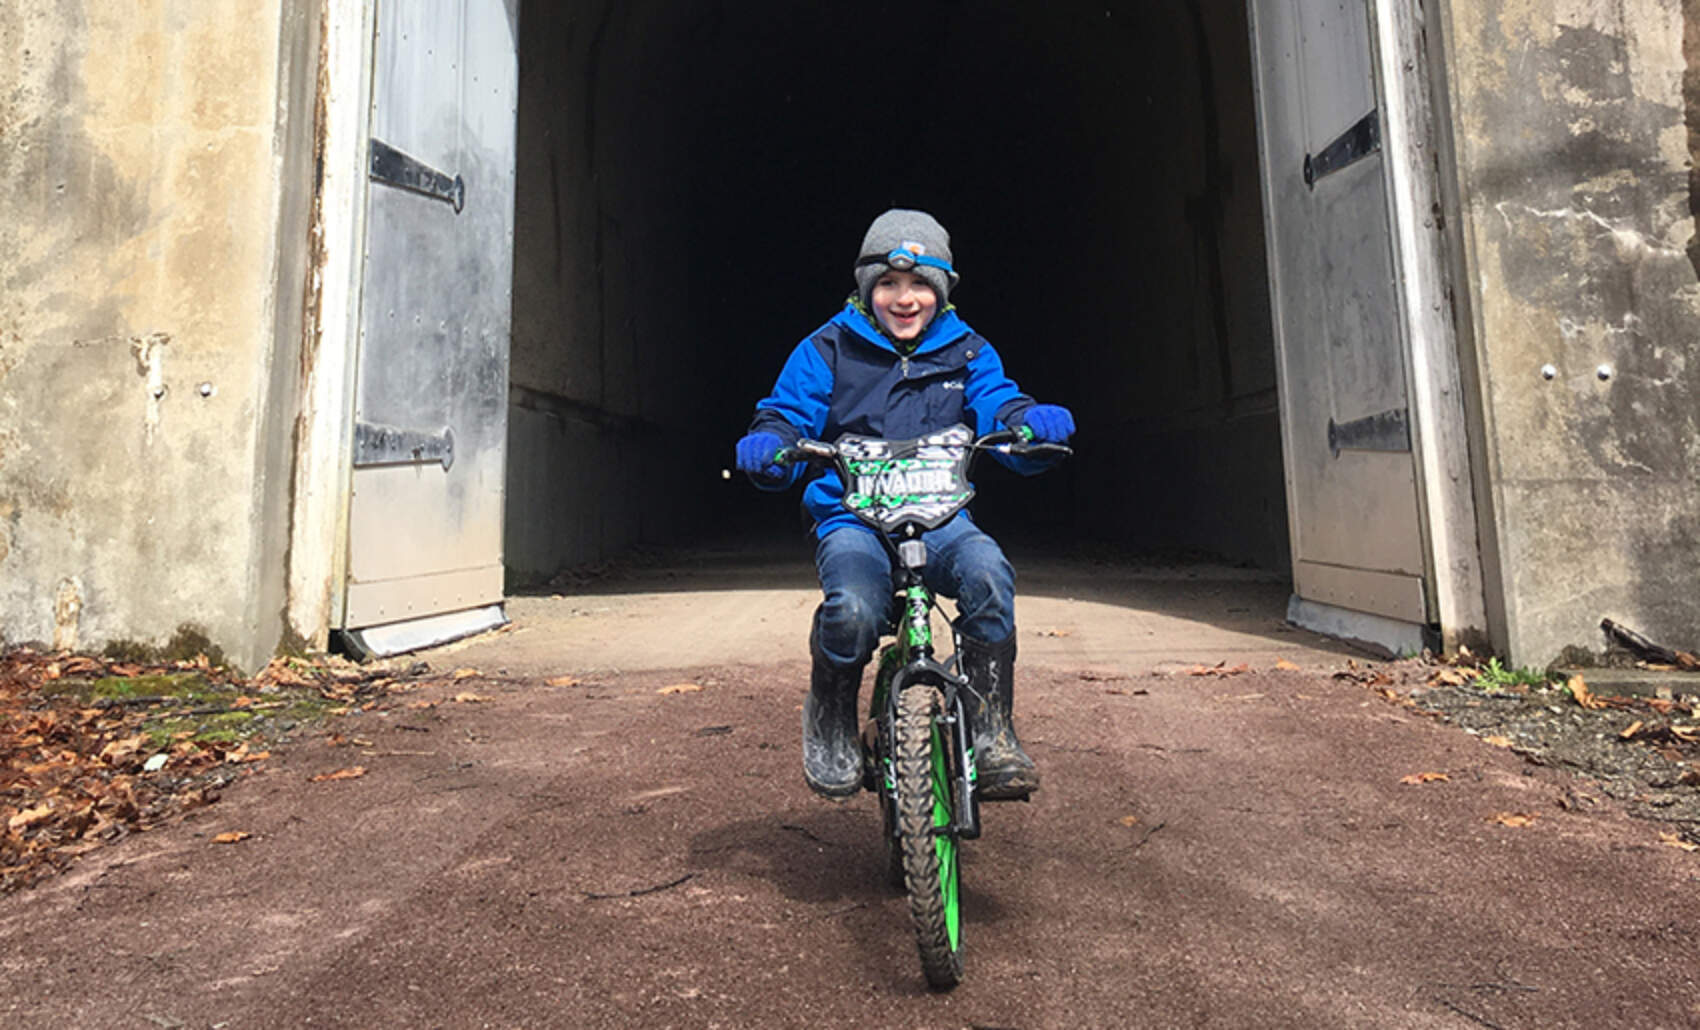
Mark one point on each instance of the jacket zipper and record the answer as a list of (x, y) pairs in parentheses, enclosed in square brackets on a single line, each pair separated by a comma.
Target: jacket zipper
[(906, 368)]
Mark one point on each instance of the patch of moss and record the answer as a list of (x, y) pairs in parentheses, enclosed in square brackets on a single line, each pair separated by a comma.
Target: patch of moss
[(221, 728), (133, 651), (189, 642), (190, 686), (70, 686)]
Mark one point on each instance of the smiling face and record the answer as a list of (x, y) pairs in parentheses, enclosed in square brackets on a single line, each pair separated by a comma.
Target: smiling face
[(903, 303)]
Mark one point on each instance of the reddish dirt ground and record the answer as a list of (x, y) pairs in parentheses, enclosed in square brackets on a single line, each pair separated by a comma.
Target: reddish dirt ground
[(1206, 852)]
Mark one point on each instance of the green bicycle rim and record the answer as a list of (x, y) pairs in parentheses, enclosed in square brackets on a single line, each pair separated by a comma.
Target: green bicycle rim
[(944, 845)]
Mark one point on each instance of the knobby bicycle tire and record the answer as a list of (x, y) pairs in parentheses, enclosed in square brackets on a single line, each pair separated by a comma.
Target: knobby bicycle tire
[(895, 874), (931, 862), (882, 771)]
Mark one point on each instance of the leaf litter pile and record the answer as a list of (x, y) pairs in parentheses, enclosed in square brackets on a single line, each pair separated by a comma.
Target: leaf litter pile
[(94, 749), (1643, 752)]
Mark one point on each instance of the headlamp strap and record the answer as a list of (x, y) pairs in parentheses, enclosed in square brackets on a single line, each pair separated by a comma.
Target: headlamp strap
[(904, 260)]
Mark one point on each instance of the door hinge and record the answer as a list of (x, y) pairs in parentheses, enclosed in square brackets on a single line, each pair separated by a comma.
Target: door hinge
[(403, 171), (386, 445), (1350, 147), (1383, 431)]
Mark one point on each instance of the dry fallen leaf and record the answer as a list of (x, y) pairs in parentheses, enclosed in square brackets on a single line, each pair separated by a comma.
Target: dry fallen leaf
[(562, 681), (1513, 819), (1675, 841), (234, 836), (461, 674), (1584, 697), (1425, 777), (351, 773), (1286, 666), (468, 697), (123, 750), (1129, 820), (680, 688), (279, 671), (1497, 741), (1056, 632), (1448, 677), (1630, 730), (30, 816)]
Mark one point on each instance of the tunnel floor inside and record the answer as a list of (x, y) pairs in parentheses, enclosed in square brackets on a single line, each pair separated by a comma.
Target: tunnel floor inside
[(750, 600)]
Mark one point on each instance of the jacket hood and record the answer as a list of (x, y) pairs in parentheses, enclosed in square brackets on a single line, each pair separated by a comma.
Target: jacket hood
[(946, 327)]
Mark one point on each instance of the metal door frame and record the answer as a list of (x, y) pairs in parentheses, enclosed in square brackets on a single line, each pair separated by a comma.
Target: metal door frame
[(1410, 86), (1406, 63)]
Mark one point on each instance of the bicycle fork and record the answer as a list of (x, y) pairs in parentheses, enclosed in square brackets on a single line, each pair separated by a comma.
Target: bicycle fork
[(911, 660)]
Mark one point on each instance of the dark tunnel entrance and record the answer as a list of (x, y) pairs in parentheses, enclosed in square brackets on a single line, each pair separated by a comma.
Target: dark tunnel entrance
[(693, 181)]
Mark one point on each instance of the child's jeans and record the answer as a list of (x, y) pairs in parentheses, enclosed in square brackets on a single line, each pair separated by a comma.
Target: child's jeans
[(856, 577)]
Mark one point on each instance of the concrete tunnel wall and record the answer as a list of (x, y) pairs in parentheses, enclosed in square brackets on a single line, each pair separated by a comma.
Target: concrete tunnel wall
[(694, 180), (158, 166), (1577, 137)]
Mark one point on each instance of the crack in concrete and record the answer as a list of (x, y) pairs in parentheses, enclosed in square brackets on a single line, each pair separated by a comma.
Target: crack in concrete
[(1627, 238)]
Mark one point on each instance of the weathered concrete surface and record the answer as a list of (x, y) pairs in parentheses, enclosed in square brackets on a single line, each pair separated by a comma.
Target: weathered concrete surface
[(149, 269), (1575, 149)]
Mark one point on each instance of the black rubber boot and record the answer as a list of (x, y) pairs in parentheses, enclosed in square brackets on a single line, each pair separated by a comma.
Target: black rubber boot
[(832, 751), (1005, 771)]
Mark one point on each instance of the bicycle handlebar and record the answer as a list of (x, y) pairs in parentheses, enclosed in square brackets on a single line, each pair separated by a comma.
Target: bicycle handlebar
[(1017, 442)]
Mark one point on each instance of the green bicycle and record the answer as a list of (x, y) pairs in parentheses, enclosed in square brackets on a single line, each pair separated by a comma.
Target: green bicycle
[(918, 747)]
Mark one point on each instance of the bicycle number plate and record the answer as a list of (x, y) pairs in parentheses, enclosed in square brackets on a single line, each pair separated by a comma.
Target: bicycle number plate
[(891, 482)]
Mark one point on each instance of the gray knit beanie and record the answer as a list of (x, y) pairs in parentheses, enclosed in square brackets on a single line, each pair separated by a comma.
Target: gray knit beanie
[(914, 231)]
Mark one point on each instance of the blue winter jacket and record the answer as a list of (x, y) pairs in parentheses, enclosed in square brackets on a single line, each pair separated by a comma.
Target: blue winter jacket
[(847, 377)]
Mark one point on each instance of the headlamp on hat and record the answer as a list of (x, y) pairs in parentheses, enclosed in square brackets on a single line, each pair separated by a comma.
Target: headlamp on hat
[(906, 260)]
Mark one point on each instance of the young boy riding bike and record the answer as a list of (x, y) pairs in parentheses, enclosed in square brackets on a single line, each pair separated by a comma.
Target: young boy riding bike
[(897, 362)]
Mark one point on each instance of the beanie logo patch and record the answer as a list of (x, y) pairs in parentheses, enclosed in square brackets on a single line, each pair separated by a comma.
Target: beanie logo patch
[(913, 247)]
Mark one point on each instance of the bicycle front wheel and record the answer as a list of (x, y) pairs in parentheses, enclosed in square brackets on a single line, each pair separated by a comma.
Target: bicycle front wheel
[(926, 803)]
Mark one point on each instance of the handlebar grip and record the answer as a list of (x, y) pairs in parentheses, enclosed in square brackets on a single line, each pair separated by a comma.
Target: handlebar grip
[(1059, 449), (805, 450)]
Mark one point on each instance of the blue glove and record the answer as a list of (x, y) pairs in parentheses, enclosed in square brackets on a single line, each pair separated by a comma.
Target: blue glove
[(755, 456), (1051, 423)]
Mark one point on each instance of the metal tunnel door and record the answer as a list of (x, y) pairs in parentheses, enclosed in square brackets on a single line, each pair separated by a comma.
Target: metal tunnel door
[(1354, 510), (430, 421)]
